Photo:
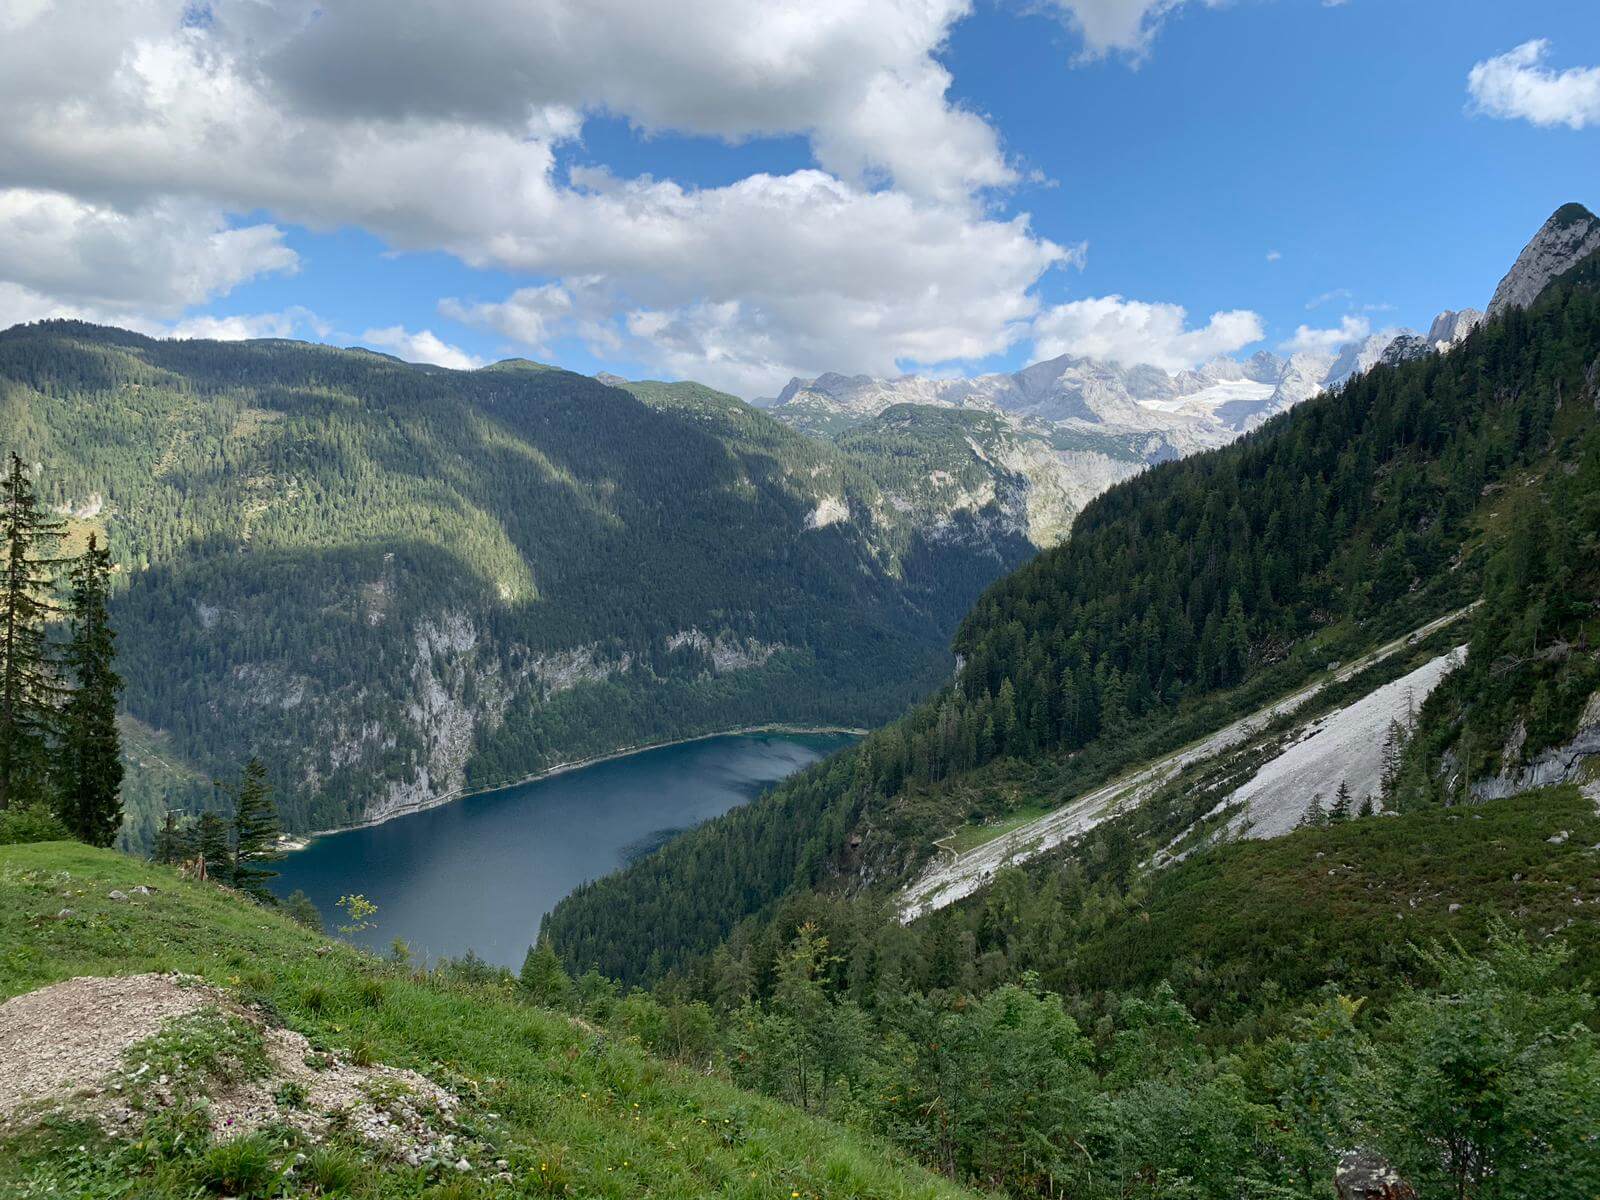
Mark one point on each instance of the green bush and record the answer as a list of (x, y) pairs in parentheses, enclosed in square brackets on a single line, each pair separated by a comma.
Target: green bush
[(32, 824)]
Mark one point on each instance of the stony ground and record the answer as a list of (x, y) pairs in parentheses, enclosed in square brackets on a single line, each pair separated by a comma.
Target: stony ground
[(83, 1046), (61, 1041)]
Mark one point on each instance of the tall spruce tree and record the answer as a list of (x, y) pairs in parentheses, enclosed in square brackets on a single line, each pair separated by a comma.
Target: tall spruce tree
[(255, 832), (30, 690), (89, 791), (172, 841), (211, 846)]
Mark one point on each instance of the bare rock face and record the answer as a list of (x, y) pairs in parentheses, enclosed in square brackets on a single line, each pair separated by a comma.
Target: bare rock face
[(1450, 327), (1404, 348), (1567, 238), (1363, 1175)]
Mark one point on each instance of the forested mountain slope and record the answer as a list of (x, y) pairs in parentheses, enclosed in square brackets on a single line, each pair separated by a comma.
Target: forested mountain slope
[(396, 581), (1195, 593)]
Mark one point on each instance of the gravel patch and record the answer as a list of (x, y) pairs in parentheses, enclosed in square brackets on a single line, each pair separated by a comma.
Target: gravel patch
[(69, 1038), (65, 1048)]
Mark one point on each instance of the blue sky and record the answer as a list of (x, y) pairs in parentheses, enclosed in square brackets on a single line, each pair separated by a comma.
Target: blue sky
[(1291, 162)]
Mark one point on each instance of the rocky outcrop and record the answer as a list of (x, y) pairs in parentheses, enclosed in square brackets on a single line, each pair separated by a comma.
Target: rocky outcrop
[(462, 689), (1363, 1175), (830, 510), (558, 671), (1570, 235), (727, 651), (1406, 348), (1448, 328), (1567, 763), (82, 1047)]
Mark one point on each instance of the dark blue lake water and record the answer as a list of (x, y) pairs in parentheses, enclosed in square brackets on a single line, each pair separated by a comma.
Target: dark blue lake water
[(480, 873)]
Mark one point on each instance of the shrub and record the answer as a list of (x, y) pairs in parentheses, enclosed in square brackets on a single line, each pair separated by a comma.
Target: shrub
[(31, 824)]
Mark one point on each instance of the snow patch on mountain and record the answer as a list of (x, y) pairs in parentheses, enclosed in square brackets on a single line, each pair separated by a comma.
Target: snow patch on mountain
[(1101, 402)]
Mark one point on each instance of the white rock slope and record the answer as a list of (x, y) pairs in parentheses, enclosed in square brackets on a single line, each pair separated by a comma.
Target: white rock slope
[(1570, 235), (953, 877), (1345, 746)]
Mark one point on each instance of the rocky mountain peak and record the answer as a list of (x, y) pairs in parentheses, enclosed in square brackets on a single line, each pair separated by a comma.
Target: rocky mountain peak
[(1448, 327), (1404, 348), (1358, 357), (1570, 235)]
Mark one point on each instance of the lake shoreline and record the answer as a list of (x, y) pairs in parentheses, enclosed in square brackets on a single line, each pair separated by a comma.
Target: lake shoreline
[(302, 840)]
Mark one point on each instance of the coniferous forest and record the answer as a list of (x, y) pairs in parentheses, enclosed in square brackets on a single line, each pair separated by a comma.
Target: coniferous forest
[(1082, 1025), (1419, 982)]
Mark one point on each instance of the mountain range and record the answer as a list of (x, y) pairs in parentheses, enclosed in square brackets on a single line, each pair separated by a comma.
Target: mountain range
[(1125, 412), (1251, 820), (482, 575)]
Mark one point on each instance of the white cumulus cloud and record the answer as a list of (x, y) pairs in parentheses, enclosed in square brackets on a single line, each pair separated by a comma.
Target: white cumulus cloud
[(159, 256), (439, 128), (1307, 340), (1133, 331), (1517, 85), (236, 328), (530, 316), (423, 346), (1127, 26)]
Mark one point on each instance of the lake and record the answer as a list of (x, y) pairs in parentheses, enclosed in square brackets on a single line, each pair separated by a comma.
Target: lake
[(482, 871)]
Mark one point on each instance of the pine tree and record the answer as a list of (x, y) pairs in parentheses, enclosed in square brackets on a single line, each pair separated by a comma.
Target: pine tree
[(1394, 744), (171, 841), (255, 832), (1341, 803), (90, 757), (1314, 817), (29, 688), (302, 911), (542, 976), (211, 846), (1236, 633)]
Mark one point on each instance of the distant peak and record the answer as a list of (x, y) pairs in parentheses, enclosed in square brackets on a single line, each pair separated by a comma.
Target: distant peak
[(1570, 235), (1569, 214), (518, 364)]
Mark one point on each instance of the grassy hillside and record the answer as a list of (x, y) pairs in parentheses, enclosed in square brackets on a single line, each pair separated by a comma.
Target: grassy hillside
[(572, 1113), (394, 581), (1252, 923)]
